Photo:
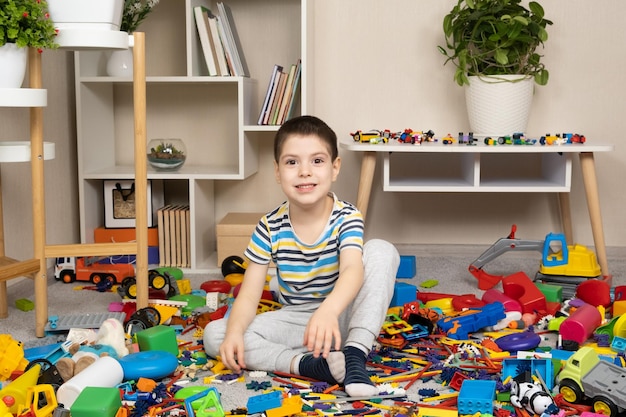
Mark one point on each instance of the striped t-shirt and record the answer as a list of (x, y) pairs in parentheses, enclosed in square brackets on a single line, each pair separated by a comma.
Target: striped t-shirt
[(306, 272)]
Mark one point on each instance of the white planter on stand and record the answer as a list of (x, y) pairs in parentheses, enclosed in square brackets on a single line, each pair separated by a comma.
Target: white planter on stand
[(13, 62), (84, 24), (499, 105), (120, 62)]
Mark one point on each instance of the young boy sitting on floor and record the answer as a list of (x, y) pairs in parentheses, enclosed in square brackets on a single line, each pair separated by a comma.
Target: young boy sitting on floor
[(335, 289)]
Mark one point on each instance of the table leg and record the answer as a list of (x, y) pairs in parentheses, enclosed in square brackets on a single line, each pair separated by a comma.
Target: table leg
[(566, 217), (368, 166), (587, 166)]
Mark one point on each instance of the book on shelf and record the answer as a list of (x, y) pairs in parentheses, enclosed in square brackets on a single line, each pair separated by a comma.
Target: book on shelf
[(293, 101), (204, 33), (228, 53), (222, 64), (174, 238), (226, 15), (268, 113), (266, 102), (288, 95), (163, 226), (280, 92)]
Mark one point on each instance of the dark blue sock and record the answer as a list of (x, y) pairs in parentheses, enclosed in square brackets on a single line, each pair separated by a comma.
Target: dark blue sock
[(316, 368), (356, 372)]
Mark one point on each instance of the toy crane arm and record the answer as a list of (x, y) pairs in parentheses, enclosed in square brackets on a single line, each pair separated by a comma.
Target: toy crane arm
[(503, 245)]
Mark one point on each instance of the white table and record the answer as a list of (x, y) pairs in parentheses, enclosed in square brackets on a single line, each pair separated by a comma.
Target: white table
[(435, 167)]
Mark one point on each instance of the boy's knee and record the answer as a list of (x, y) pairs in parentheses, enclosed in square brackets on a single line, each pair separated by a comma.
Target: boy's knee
[(381, 250), (212, 337)]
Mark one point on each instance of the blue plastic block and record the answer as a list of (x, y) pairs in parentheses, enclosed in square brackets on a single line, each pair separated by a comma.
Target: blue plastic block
[(618, 344), (476, 396), (407, 268), (262, 402), (153, 257), (403, 293)]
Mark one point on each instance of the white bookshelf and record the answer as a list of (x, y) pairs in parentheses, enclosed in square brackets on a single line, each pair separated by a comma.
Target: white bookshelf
[(214, 116)]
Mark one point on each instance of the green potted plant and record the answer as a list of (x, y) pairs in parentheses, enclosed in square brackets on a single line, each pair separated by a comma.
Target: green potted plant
[(23, 24), (496, 41), (26, 23)]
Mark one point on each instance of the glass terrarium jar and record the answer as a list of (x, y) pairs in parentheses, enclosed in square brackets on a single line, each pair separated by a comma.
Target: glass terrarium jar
[(166, 154)]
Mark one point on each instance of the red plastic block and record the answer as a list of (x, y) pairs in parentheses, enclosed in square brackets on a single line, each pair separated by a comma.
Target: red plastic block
[(519, 287), (581, 324), (594, 292)]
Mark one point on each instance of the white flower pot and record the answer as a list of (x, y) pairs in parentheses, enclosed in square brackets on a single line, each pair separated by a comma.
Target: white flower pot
[(86, 15), (13, 62), (499, 105)]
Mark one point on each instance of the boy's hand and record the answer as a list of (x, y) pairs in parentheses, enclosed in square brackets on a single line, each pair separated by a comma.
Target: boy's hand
[(322, 328), (232, 353)]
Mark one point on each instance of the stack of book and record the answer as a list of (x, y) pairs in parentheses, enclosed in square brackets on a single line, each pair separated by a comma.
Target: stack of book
[(220, 41), (173, 223), (280, 98)]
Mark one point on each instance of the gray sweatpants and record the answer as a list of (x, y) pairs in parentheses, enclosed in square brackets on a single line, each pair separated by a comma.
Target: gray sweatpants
[(274, 338)]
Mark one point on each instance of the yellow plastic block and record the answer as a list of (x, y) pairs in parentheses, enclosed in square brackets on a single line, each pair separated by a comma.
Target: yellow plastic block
[(184, 286), (619, 307)]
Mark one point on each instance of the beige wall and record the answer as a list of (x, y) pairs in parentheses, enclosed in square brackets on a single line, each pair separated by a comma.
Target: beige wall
[(376, 65)]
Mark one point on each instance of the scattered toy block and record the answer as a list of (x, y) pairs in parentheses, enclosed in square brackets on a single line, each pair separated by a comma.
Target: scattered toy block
[(519, 287), (580, 325), (24, 304), (476, 396), (403, 293), (407, 268), (509, 303), (263, 402), (96, 401), (158, 338), (619, 308)]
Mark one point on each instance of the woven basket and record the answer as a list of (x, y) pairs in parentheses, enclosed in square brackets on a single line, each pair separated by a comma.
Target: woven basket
[(499, 105)]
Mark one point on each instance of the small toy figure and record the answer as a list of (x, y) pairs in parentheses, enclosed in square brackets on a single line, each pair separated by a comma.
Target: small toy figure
[(529, 396)]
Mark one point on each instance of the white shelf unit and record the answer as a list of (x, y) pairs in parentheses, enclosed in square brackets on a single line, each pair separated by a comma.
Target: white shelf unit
[(214, 116), (434, 167)]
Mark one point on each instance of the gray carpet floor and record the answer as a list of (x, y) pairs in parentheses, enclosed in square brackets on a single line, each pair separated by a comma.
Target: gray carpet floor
[(447, 264)]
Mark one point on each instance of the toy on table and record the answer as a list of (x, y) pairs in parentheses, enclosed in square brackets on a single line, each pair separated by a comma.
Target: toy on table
[(562, 264), (586, 376)]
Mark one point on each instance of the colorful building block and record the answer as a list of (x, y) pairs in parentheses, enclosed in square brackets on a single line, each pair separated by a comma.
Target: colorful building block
[(476, 396), (519, 287), (407, 268), (403, 293), (97, 401), (263, 402), (159, 337)]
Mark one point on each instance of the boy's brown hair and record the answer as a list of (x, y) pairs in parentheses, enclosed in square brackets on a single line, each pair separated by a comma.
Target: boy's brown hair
[(306, 125)]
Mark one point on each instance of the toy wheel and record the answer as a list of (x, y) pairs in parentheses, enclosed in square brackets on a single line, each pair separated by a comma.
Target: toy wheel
[(602, 405), (130, 287), (67, 276), (149, 315), (571, 391), (135, 325), (97, 277), (157, 280)]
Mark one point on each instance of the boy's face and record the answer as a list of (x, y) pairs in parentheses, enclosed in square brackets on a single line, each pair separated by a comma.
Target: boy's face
[(305, 170)]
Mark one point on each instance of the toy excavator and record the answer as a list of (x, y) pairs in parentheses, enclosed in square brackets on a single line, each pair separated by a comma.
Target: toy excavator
[(560, 263)]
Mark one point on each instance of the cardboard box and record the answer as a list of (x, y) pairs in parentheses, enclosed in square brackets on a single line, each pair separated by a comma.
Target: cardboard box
[(119, 202), (233, 234), (123, 235)]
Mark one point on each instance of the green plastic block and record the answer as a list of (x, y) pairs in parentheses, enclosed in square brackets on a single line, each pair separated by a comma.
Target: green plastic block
[(97, 402), (158, 338), (553, 293)]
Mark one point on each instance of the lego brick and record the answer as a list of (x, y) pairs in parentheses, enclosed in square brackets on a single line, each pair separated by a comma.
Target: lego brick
[(158, 338), (234, 232), (125, 234), (403, 293), (81, 321), (96, 401), (476, 396), (263, 402), (407, 268)]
